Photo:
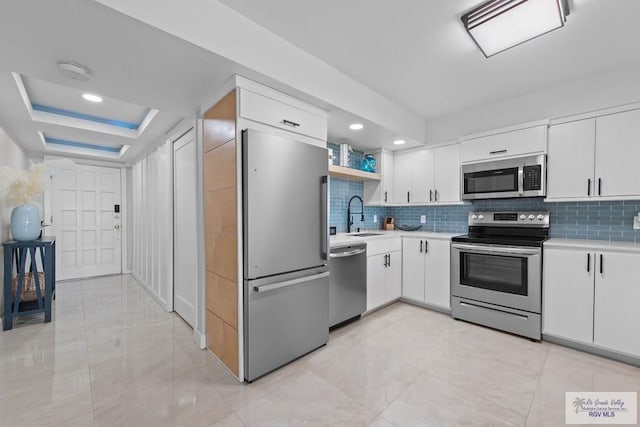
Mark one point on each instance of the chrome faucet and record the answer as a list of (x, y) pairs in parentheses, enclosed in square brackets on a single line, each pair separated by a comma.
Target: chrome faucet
[(349, 218)]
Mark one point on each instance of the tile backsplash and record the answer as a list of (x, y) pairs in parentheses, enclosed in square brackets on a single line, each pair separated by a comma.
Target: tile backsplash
[(598, 220)]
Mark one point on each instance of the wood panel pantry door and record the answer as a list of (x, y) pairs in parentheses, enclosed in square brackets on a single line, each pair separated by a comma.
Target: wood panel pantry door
[(85, 222)]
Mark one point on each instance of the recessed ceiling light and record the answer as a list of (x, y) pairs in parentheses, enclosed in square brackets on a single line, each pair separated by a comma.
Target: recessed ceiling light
[(91, 97), (356, 126), (399, 141)]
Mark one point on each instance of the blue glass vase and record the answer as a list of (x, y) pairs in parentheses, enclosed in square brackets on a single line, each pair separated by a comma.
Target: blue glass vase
[(369, 163), (25, 222)]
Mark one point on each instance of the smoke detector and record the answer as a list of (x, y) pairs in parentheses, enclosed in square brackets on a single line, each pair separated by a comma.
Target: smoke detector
[(74, 71)]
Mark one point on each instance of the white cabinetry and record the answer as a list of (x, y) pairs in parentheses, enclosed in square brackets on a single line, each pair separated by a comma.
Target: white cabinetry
[(616, 322), (592, 296), (413, 176), (426, 271), (427, 176), (447, 173), (381, 192), (595, 158), (384, 271), (571, 159), (617, 153), (505, 143), (567, 308)]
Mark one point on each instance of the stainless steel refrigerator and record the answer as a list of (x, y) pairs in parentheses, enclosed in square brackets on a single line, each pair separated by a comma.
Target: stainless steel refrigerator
[(286, 243)]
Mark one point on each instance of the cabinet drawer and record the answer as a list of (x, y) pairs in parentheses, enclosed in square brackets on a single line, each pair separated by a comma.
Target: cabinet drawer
[(268, 111), (517, 142), (375, 247)]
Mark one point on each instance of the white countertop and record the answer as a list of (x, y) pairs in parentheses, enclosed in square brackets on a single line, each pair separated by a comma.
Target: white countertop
[(344, 239), (603, 245)]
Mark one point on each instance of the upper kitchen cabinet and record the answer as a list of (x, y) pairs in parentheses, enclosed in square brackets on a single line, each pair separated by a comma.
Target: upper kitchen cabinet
[(381, 192), (570, 159), (617, 153), (447, 174), (413, 177), (273, 111), (594, 158), (427, 176), (508, 142)]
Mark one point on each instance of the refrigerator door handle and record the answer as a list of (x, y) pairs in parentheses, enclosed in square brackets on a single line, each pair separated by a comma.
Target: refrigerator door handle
[(324, 218), (265, 288)]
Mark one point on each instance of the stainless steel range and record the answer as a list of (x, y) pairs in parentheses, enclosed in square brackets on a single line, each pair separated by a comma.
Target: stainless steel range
[(496, 271)]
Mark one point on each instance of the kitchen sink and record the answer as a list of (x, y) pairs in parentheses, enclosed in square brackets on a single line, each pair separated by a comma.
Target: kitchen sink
[(366, 234)]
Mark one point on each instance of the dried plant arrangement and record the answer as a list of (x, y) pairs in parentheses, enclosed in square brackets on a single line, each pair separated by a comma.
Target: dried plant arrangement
[(18, 187)]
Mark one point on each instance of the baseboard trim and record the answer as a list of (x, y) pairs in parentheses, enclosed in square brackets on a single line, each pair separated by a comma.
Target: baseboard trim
[(200, 339), (592, 349), (433, 307), (162, 304)]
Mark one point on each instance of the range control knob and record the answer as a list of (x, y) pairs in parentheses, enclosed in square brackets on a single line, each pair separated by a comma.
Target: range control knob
[(480, 217), (532, 217), (523, 217), (540, 217), (474, 216)]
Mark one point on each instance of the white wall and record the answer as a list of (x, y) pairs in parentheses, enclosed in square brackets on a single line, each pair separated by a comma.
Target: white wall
[(10, 155), (613, 88), (152, 224)]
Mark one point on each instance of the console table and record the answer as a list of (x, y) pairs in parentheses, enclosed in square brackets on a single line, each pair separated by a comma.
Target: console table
[(15, 255)]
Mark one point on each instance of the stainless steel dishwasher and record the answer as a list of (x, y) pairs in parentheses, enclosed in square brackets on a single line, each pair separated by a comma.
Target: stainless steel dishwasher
[(347, 283)]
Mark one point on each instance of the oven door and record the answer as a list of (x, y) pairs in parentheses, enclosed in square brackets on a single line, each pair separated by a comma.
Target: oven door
[(503, 275)]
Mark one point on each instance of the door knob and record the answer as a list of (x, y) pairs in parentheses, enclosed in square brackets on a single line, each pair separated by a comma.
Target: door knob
[(117, 226)]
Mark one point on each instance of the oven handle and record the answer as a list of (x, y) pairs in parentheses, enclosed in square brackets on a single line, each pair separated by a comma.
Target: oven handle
[(497, 250)]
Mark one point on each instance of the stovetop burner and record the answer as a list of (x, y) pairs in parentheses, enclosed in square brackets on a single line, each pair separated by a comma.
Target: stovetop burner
[(507, 228)]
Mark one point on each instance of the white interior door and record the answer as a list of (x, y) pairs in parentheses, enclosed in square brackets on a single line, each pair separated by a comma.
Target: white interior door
[(84, 221), (185, 227)]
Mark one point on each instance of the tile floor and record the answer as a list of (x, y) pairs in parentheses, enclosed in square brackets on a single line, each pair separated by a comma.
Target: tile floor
[(112, 357)]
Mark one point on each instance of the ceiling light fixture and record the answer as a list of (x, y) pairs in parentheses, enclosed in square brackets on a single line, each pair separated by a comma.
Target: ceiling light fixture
[(399, 142), (498, 25), (91, 97), (356, 126), (74, 71)]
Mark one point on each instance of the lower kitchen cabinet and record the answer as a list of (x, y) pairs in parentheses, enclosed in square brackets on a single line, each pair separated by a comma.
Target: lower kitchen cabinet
[(567, 306), (592, 296), (426, 270), (384, 272)]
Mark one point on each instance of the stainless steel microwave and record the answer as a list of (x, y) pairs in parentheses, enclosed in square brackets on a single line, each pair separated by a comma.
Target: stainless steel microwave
[(508, 178)]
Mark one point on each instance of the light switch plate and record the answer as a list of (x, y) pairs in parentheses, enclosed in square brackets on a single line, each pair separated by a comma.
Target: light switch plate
[(423, 219), (636, 222), (375, 219)]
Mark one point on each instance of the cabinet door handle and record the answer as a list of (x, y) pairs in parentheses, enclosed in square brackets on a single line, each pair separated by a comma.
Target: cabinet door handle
[(385, 261), (588, 262), (435, 192), (389, 255), (408, 197), (290, 123), (599, 186), (601, 259), (385, 197), (589, 187), (493, 153), (426, 246), (420, 246)]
